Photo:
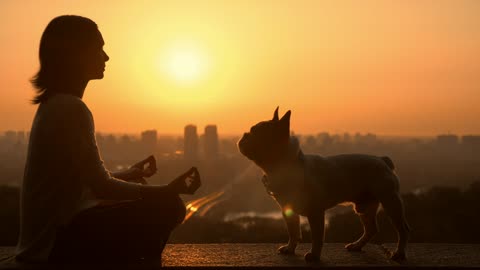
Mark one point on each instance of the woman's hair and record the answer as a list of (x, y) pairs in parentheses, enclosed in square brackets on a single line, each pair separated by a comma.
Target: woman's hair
[(60, 50)]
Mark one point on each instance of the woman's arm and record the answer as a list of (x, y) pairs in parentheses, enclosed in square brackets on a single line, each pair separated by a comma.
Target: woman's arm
[(125, 175), (90, 167), (130, 175), (86, 161), (138, 171)]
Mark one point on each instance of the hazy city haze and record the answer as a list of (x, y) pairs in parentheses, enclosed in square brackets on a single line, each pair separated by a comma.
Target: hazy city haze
[(439, 181)]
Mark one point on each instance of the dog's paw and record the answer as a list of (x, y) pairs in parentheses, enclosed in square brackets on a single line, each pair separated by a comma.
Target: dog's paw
[(354, 246), (311, 258), (286, 250), (398, 256)]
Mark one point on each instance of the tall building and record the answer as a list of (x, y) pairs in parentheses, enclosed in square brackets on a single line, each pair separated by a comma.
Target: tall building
[(211, 142), (190, 144), (149, 140), (447, 140), (471, 140)]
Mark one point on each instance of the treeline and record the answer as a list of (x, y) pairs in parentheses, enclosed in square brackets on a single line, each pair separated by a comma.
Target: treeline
[(436, 215)]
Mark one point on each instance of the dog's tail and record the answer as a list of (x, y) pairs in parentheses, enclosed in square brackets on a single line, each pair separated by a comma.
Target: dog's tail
[(389, 162)]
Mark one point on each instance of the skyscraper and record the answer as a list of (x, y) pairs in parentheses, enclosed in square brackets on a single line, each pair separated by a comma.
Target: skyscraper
[(211, 142), (149, 140), (471, 140), (190, 138), (447, 140)]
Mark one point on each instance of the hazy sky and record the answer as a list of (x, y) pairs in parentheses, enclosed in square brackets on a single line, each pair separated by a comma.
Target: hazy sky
[(387, 67)]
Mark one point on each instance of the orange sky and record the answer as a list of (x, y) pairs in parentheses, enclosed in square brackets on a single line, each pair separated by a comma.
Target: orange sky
[(387, 67)]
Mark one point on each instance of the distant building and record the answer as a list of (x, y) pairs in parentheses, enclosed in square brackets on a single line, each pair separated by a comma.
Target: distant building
[(370, 138), (125, 139), (324, 139), (347, 138), (148, 139), (21, 138), (367, 139), (310, 143), (471, 140), (210, 142), (190, 146), (447, 140), (10, 136)]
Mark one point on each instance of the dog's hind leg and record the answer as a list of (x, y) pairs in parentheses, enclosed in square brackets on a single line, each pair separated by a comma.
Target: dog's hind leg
[(393, 206), (368, 215), (317, 228)]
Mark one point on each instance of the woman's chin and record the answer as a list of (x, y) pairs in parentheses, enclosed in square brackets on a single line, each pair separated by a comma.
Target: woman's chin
[(98, 76)]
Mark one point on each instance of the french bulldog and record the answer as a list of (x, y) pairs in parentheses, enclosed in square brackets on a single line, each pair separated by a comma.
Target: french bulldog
[(308, 185)]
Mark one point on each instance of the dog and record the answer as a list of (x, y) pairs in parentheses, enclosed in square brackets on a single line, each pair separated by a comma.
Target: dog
[(308, 185)]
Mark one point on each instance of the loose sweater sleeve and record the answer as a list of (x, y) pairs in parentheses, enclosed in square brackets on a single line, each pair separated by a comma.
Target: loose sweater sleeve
[(87, 161)]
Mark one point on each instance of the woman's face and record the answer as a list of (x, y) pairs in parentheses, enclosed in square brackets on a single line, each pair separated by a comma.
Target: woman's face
[(94, 58)]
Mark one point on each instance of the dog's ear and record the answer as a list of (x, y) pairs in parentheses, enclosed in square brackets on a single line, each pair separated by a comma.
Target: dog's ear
[(275, 115), (286, 117), (285, 124)]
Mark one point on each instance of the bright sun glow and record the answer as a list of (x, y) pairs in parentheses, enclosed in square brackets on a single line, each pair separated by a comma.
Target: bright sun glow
[(185, 64)]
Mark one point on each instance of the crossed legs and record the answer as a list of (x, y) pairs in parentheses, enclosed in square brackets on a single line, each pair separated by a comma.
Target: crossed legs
[(119, 232)]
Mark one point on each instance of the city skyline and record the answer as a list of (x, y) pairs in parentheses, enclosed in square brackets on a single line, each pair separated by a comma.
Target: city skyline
[(209, 139), (138, 134)]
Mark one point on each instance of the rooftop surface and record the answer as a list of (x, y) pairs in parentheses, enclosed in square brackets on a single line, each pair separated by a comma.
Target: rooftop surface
[(333, 256)]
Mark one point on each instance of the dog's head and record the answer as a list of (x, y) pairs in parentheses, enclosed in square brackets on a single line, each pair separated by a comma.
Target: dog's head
[(267, 141)]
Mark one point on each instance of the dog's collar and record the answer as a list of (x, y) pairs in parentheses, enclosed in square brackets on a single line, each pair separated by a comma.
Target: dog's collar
[(300, 158), (266, 185)]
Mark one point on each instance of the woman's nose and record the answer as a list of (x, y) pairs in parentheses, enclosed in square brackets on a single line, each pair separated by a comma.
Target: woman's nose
[(105, 56)]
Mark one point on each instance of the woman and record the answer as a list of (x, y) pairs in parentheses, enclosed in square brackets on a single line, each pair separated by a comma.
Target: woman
[(72, 208)]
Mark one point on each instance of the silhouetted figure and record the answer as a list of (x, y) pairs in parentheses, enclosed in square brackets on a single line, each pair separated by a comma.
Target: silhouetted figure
[(73, 209), (308, 185)]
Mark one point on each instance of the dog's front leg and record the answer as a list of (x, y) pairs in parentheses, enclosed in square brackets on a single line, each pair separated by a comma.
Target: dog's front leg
[(294, 233), (317, 224)]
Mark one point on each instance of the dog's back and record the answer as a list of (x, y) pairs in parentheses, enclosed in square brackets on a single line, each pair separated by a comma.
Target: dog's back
[(354, 177)]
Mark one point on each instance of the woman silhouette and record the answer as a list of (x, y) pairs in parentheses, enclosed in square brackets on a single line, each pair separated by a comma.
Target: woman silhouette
[(72, 208)]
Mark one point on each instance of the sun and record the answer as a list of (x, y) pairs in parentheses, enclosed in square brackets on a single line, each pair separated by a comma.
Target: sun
[(185, 64)]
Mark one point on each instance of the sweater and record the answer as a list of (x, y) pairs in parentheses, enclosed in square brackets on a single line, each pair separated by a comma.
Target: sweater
[(64, 174)]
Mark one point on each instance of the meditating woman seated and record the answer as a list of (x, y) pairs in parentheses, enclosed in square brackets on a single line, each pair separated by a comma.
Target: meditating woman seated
[(72, 208)]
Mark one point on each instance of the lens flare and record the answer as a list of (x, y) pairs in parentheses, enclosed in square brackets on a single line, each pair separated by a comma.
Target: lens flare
[(204, 204), (210, 206), (288, 211), (196, 205)]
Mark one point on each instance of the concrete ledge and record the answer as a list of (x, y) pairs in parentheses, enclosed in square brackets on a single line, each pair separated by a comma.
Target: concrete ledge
[(333, 256)]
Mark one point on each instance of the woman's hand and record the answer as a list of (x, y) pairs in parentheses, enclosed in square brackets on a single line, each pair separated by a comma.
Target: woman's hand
[(186, 183), (138, 170)]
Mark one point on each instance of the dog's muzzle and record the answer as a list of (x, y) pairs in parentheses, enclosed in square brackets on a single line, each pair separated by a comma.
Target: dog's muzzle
[(243, 145)]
